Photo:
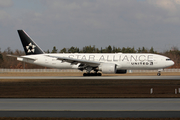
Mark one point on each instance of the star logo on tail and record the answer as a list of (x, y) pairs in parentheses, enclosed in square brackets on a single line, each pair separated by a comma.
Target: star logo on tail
[(30, 48)]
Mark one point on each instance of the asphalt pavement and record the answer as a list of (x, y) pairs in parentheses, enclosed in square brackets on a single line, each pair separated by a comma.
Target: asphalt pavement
[(132, 107)]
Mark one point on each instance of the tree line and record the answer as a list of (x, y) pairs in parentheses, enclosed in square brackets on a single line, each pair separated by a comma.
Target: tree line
[(11, 62), (109, 49)]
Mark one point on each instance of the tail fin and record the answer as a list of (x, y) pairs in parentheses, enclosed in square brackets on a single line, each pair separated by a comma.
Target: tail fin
[(30, 47)]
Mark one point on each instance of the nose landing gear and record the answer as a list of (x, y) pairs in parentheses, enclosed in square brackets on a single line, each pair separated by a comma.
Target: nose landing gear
[(159, 72)]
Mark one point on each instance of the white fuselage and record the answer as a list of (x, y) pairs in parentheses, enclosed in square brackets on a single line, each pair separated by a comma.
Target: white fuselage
[(124, 61)]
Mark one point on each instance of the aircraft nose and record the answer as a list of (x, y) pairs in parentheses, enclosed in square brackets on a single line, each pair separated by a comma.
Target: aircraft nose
[(170, 63)]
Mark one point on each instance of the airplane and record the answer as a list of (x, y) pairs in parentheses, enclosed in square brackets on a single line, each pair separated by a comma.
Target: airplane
[(93, 63)]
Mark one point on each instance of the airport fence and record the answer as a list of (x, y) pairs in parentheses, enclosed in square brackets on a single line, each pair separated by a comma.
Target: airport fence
[(165, 70), (74, 70), (39, 70)]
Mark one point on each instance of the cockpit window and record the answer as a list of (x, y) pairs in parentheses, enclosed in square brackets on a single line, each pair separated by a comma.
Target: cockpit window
[(168, 59)]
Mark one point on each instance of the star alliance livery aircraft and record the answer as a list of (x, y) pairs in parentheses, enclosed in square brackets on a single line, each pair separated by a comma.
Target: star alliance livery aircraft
[(93, 63)]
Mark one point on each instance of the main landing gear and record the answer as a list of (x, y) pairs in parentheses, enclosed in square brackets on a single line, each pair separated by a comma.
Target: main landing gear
[(90, 71), (92, 74)]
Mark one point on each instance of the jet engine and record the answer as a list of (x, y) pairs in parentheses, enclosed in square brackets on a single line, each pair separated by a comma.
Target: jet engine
[(110, 68)]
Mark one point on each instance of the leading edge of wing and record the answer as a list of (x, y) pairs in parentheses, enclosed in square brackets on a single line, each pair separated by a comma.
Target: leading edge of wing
[(75, 61)]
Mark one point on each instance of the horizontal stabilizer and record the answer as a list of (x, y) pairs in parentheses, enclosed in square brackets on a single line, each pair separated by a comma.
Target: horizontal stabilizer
[(21, 57)]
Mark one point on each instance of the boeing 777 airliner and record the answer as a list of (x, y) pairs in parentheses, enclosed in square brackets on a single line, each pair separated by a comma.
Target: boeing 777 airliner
[(93, 63)]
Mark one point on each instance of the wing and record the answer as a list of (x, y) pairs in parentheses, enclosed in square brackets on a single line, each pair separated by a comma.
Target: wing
[(76, 61)]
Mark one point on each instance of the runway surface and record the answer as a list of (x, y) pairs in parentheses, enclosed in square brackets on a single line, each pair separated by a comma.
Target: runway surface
[(83, 108), (99, 77), (148, 107), (90, 104)]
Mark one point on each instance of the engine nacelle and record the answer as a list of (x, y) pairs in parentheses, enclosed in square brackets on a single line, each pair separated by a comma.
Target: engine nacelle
[(108, 68), (111, 68)]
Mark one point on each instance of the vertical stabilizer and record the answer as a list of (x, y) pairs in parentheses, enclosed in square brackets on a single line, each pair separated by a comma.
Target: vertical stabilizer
[(30, 47)]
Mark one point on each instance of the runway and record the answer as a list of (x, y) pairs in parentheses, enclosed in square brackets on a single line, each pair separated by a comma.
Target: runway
[(149, 107), (95, 77), (94, 108)]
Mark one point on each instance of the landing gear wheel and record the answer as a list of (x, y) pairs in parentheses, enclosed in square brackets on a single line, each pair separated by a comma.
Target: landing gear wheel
[(99, 74), (158, 74), (84, 74)]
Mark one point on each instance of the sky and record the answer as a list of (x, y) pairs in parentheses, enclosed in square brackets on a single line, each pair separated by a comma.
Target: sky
[(79, 23)]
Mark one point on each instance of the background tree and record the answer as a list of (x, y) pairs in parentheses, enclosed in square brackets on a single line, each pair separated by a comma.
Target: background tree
[(144, 50), (1, 60), (109, 49), (88, 49), (54, 50), (174, 54), (151, 50), (73, 50), (48, 51), (64, 50), (139, 50)]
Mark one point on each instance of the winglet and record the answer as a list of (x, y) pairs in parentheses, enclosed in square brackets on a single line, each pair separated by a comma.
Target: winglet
[(30, 47)]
